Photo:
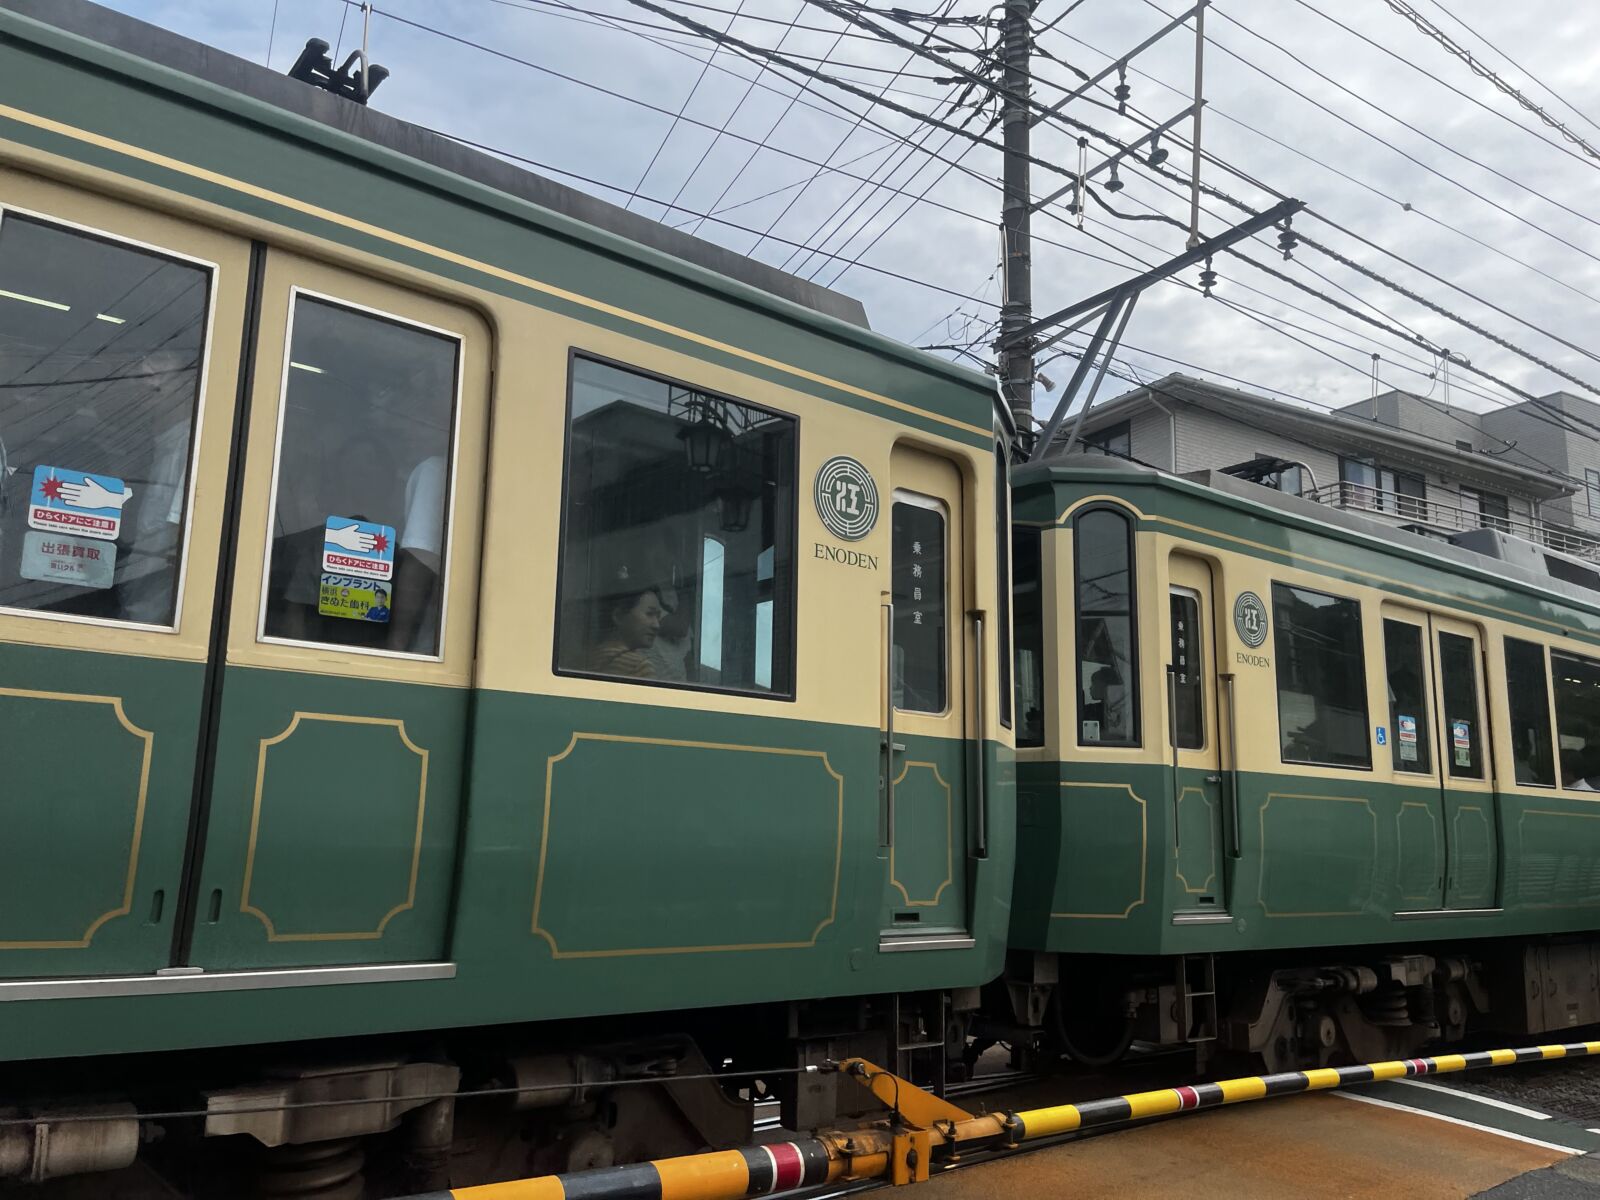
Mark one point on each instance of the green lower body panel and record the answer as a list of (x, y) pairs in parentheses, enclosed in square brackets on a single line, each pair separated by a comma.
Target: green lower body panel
[(1108, 857), (567, 858)]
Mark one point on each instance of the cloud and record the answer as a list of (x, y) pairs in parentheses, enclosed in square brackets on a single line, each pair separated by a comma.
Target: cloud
[(1467, 220)]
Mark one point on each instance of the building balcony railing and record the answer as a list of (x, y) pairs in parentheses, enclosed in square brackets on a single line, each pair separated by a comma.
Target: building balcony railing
[(1451, 518)]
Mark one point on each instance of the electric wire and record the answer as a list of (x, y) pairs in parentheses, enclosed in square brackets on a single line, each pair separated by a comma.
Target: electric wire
[(1483, 71)]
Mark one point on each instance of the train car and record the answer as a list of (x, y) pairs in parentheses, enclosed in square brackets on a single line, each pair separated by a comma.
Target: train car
[(1293, 783), (454, 635)]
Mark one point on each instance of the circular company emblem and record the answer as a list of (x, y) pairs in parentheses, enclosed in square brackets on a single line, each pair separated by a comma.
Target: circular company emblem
[(1250, 619), (847, 499)]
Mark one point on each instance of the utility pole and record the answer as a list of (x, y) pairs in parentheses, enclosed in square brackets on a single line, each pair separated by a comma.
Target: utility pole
[(1015, 354)]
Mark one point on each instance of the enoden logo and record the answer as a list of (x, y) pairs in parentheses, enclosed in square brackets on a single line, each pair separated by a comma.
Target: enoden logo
[(847, 499)]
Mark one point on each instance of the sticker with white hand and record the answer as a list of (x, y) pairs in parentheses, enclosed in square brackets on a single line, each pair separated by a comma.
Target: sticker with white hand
[(90, 494), (351, 537)]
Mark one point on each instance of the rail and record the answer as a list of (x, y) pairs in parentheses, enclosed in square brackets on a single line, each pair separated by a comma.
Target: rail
[(1453, 518)]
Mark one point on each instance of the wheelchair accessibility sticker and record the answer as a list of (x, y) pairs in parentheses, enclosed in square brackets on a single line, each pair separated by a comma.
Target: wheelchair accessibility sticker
[(355, 547), (76, 502)]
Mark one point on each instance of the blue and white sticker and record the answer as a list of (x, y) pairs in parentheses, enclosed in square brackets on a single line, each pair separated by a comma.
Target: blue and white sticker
[(361, 548), (1383, 736), (77, 503)]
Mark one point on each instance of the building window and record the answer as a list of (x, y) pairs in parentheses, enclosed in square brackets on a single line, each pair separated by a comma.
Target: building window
[(1577, 688), (363, 482), (1493, 509), (921, 640), (1528, 698), (101, 349), (1409, 719), (1322, 682), (1115, 440), (677, 559), (1365, 485), (1458, 682), (1107, 639), (1592, 481), (1027, 546)]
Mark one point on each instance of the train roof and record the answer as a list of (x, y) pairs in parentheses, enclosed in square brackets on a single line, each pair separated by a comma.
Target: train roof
[(82, 81), (1218, 487), (243, 77)]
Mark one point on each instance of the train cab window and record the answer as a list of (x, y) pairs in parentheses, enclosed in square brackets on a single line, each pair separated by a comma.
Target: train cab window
[(921, 677), (361, 503), (1026, 548), (1577, 688), (102, 347), (1322, 682), (1185, 679), (1528, 696), (1458, 677), (1410, 740), (677, 556), (1107, 644)]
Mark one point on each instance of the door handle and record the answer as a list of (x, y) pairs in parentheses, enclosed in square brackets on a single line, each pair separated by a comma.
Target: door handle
[(1234, 845), (980, 842), (889, 744)]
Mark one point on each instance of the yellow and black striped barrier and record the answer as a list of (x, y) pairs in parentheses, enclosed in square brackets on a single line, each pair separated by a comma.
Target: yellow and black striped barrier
[(873, 1153)]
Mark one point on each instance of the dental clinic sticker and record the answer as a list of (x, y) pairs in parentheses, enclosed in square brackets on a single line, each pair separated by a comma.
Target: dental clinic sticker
[(357, 567), (77, 503), (1461, 740)]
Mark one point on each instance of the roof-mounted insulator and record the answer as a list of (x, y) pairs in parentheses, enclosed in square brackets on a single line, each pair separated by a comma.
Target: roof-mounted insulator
[(1208, 279), (316, 68)]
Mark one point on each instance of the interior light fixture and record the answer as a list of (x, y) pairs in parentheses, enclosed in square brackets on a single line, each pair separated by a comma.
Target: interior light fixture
[(109, 319), (59, 307), (299, 366)]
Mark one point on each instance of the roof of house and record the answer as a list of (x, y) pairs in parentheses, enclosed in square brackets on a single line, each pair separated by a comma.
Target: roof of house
[(1336, 430)]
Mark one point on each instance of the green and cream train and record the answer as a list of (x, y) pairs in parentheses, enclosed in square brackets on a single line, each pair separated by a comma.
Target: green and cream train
[(490, 684)]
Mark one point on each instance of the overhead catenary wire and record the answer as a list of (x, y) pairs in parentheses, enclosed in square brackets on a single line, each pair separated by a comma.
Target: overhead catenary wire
[(1482, 70)]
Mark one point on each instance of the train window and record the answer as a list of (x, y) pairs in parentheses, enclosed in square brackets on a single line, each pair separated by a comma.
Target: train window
[(1188, 689), (1026, 550), (1107, 643), (1002, 542), (1532, 752), (1410, 724), (1322, 682), (677, 555), (361, 501), (1577, 688), (102, 347), (920, 630), (1458, 676)]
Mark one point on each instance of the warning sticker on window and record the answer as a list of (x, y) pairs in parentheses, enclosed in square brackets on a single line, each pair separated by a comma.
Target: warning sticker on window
[(354, 547), (76, 502)]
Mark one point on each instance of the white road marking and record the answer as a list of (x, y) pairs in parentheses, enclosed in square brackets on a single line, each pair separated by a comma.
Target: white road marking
[(1422, 1112), (1490, 1100)]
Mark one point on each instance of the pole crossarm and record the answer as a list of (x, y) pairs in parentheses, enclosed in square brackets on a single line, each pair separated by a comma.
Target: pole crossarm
[(1094, 81), (1246, 229)]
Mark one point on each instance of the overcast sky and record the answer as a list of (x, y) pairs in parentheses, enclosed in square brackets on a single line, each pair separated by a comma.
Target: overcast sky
[(1466, 223)]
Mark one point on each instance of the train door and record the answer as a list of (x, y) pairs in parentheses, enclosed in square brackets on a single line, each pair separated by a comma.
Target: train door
[(1192, 734), (119, 339), (1414, 752), (925, 757), (330, 791), (1466, 769)]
